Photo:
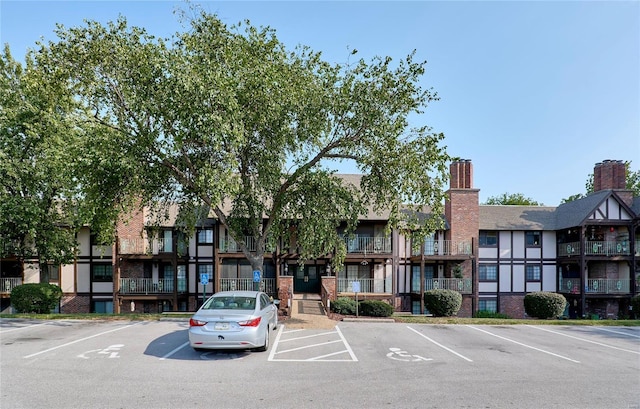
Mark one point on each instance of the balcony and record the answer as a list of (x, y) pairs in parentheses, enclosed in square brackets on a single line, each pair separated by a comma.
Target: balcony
[(139, 286), (7, 284), (595, 248), (140, 246), (367, 285), (595, 286), (267, 285), (445, 248), (367, 244), (229, 245), (461, 285)]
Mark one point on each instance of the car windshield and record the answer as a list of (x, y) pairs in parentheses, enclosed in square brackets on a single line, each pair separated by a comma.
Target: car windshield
[(230, 303)]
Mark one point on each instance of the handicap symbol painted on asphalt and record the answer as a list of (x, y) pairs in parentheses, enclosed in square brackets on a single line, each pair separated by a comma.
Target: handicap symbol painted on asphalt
[(112, 352), (400, 355)]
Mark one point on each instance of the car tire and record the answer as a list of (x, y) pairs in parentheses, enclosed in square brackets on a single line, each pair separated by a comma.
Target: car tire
[(266, 342)]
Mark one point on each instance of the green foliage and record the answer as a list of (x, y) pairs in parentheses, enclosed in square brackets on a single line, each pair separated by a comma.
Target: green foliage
[(542, 304), (344, 306), (632, 183), (35, 298), (512, 199), (375, 308), (221, 118), (38, 142), (635, 306), (443, 303), (490, 314)]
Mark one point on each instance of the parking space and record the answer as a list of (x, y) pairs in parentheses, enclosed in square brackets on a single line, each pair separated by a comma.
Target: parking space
[(300, 345), (575, 366)]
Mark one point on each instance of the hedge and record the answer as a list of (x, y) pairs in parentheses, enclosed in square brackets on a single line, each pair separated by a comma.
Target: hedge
[(543, 305), (443, 303), (375, 308), (35, 298)]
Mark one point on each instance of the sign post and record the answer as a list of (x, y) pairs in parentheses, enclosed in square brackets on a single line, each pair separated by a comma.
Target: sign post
[(355, 285), (204, 280), (256, 280)]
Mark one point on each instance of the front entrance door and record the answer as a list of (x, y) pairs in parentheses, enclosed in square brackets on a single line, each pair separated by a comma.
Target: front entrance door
[(307, 279)]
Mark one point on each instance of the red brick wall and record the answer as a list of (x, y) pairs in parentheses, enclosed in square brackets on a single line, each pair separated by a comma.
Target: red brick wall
[(466, 310), (609, 174), (512, 305), (73, 304), (131, 225), (285, 287)]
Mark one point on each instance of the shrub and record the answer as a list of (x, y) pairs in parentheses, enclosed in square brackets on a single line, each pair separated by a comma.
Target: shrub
[(490, 314), (344, 306), (542, 304), (375, 308), (443, 303), (635, 306), (36, 298)]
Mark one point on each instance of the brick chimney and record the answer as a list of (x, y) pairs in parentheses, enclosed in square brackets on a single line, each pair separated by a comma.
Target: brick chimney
[(612, 175), (462, 203)]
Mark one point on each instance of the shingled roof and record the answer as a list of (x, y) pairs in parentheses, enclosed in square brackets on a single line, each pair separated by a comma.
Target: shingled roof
[(498, 217)]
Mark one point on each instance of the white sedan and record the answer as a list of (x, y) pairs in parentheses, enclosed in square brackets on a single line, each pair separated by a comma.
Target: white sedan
[(234, 320)]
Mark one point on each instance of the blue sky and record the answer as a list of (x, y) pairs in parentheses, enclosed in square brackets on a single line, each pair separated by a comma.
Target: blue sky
[(534, 93)]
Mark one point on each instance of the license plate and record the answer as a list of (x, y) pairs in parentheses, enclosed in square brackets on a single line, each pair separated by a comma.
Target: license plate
[(221, 326)]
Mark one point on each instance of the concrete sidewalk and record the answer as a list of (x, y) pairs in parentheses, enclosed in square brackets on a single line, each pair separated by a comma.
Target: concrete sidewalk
[(307, 313)]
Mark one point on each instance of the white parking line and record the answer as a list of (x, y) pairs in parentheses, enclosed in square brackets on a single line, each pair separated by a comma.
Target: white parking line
[(585, 340), (80, 340), (440, 345), (524, 345), (321, 358), (174, 351), (618, 332), (4, 331)]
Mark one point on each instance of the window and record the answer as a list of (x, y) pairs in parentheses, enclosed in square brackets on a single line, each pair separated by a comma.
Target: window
[(206, 269), (490, 305), (103, 307), (533, 273), (102, 272), (488, 238), (487, 272), (532, 238), (205, 236)]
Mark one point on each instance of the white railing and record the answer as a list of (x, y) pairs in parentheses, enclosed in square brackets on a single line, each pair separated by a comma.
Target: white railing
[(268, 285), (229, 245), (371, 245), (607, 286), (461, 285), (7, 284), (367, 285), (150, 286), (608, 248), (595, 286), (569, 249), (445, 248)]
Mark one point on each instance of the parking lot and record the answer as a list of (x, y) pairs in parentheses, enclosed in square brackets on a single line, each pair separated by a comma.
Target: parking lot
[(122, 364)]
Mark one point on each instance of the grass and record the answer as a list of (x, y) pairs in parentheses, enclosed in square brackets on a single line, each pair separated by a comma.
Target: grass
[(409, 319), (421, 319)]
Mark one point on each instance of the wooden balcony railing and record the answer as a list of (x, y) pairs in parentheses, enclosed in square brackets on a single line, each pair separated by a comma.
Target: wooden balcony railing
[(7, 284), (139, 246)]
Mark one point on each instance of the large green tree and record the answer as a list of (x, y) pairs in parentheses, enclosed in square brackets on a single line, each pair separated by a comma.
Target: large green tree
[(38, 142), (227, 119), (511, 199), (632, 183)]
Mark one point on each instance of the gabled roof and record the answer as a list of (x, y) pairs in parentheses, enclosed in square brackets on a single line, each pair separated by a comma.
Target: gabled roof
[(498, 217), (574, 213)]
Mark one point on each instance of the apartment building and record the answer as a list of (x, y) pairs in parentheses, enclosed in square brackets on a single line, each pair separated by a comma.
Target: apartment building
[(586, 250)]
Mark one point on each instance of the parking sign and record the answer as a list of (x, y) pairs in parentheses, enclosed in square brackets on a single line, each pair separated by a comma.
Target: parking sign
[(204, 278)]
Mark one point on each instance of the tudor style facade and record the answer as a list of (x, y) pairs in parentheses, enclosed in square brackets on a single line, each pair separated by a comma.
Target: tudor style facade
[(586, 250)]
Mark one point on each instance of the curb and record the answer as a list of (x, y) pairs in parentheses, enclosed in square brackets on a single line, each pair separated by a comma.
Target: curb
[(347, 319)]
